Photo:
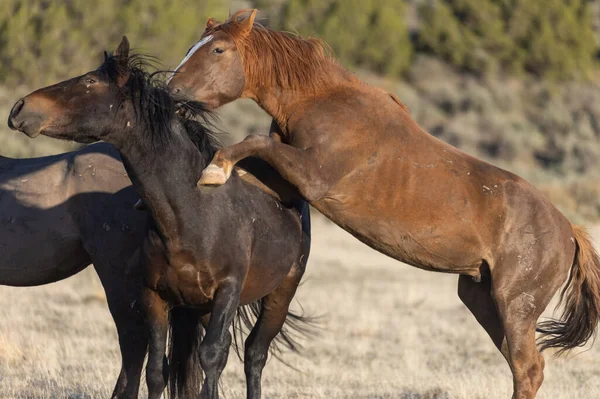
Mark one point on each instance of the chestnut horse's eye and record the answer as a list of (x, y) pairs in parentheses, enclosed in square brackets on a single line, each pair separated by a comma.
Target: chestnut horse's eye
[(218, 50)]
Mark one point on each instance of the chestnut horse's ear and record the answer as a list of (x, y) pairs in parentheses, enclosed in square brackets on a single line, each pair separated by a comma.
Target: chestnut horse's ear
[(122, 56), (210, 23), (248, 23)]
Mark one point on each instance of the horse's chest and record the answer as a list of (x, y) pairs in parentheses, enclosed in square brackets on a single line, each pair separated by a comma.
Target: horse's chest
[(184, 283)]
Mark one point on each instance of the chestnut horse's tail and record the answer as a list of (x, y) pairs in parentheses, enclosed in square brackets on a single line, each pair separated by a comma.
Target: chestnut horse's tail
[(581, 298)]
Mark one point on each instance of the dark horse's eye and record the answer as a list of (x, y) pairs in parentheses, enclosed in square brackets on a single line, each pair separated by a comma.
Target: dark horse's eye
[(218, 50), (90, 81)]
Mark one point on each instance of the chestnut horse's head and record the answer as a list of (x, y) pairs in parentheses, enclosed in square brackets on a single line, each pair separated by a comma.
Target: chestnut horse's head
[(241, 58), (83, 108), (213, 70)]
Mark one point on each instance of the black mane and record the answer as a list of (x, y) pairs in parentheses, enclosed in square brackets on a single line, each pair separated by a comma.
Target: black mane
[(156, 108)]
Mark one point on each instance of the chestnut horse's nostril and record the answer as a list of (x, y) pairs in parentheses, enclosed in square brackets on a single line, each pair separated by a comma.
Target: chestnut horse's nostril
[(14, 112)]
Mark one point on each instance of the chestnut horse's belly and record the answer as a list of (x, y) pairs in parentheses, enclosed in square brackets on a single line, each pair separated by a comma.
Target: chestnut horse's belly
[(428, 248), (434, 227)]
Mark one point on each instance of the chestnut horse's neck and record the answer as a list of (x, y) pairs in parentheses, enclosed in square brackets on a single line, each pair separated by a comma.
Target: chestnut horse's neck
[(283, 70), (282, 102), (164, 173)]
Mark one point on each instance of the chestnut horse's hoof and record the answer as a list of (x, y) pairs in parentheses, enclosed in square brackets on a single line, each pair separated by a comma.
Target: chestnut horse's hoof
[(213, 175)]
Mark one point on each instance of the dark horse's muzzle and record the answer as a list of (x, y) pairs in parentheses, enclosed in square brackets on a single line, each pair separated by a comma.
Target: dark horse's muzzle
[(14, 112), (23, 120)]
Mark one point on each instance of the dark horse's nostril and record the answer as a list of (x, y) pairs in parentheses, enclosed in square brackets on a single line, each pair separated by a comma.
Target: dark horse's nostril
[(14, 112)]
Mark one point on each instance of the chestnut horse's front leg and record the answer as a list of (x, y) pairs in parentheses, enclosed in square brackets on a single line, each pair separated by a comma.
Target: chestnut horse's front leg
[(297, 166)]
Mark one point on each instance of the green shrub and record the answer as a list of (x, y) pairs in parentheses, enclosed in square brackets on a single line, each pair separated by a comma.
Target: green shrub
[(549, 38), (365, 33), (42, 41)]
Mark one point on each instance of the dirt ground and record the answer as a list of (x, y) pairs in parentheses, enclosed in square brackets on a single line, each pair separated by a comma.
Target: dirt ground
[(388, 331)]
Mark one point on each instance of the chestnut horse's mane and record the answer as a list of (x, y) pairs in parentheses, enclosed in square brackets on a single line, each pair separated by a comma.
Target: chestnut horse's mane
[(279, 58), (285, 59)]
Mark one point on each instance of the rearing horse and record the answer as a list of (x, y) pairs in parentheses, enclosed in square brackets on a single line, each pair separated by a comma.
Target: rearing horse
[(354, 152)]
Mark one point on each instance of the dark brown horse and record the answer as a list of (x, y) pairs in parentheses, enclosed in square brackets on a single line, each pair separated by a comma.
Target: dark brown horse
[(208, 251), (354, 152), (58, 214)]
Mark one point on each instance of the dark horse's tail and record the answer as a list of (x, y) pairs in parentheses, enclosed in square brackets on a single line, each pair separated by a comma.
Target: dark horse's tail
[(581, 297), (185, 371)]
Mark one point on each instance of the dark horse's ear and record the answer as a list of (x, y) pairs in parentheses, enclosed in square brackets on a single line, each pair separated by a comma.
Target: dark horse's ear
[(210, 23), (121, 54)]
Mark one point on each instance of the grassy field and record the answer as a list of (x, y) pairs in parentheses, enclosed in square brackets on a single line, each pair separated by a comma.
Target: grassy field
[(388, 331)]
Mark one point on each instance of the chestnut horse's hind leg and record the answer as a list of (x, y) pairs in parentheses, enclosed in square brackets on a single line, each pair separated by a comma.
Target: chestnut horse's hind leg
[(521, 289), (272, 317), (215, 346), (158, 324), (508, 309), (519, 315), (293, 164)]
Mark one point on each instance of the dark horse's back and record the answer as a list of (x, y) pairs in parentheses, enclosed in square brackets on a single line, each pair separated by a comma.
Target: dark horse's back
[(71, 207)]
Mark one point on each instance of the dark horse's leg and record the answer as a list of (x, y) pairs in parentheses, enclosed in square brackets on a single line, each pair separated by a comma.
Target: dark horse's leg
[(215, 346), (293, 164), (272, 317), (122, 287), (157, 319), (133, 342)]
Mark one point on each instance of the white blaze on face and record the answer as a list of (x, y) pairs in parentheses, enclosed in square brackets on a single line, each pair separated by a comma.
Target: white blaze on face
[(190, 53)]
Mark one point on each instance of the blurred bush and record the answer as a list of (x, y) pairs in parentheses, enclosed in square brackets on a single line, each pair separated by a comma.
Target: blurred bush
[(514, 82), (548, 38), (370, 34), (42, 41)]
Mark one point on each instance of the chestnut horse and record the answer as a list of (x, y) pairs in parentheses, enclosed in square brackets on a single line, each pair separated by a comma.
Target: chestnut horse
[(355, 154), (209, 252)]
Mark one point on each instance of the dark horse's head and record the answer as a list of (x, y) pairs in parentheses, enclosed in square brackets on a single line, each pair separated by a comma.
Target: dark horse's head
[(105, 104)]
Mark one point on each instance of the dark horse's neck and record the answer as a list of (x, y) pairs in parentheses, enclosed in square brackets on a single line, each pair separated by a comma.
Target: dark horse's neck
[(164, 172)]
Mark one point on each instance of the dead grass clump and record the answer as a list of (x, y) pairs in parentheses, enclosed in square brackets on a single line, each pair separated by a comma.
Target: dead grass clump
[(10, 354)]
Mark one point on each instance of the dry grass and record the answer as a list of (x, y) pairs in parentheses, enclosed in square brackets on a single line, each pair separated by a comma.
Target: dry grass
[(389, 331)]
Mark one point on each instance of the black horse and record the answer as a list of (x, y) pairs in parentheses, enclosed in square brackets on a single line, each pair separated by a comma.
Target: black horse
[(59, 214), (205, 251)]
